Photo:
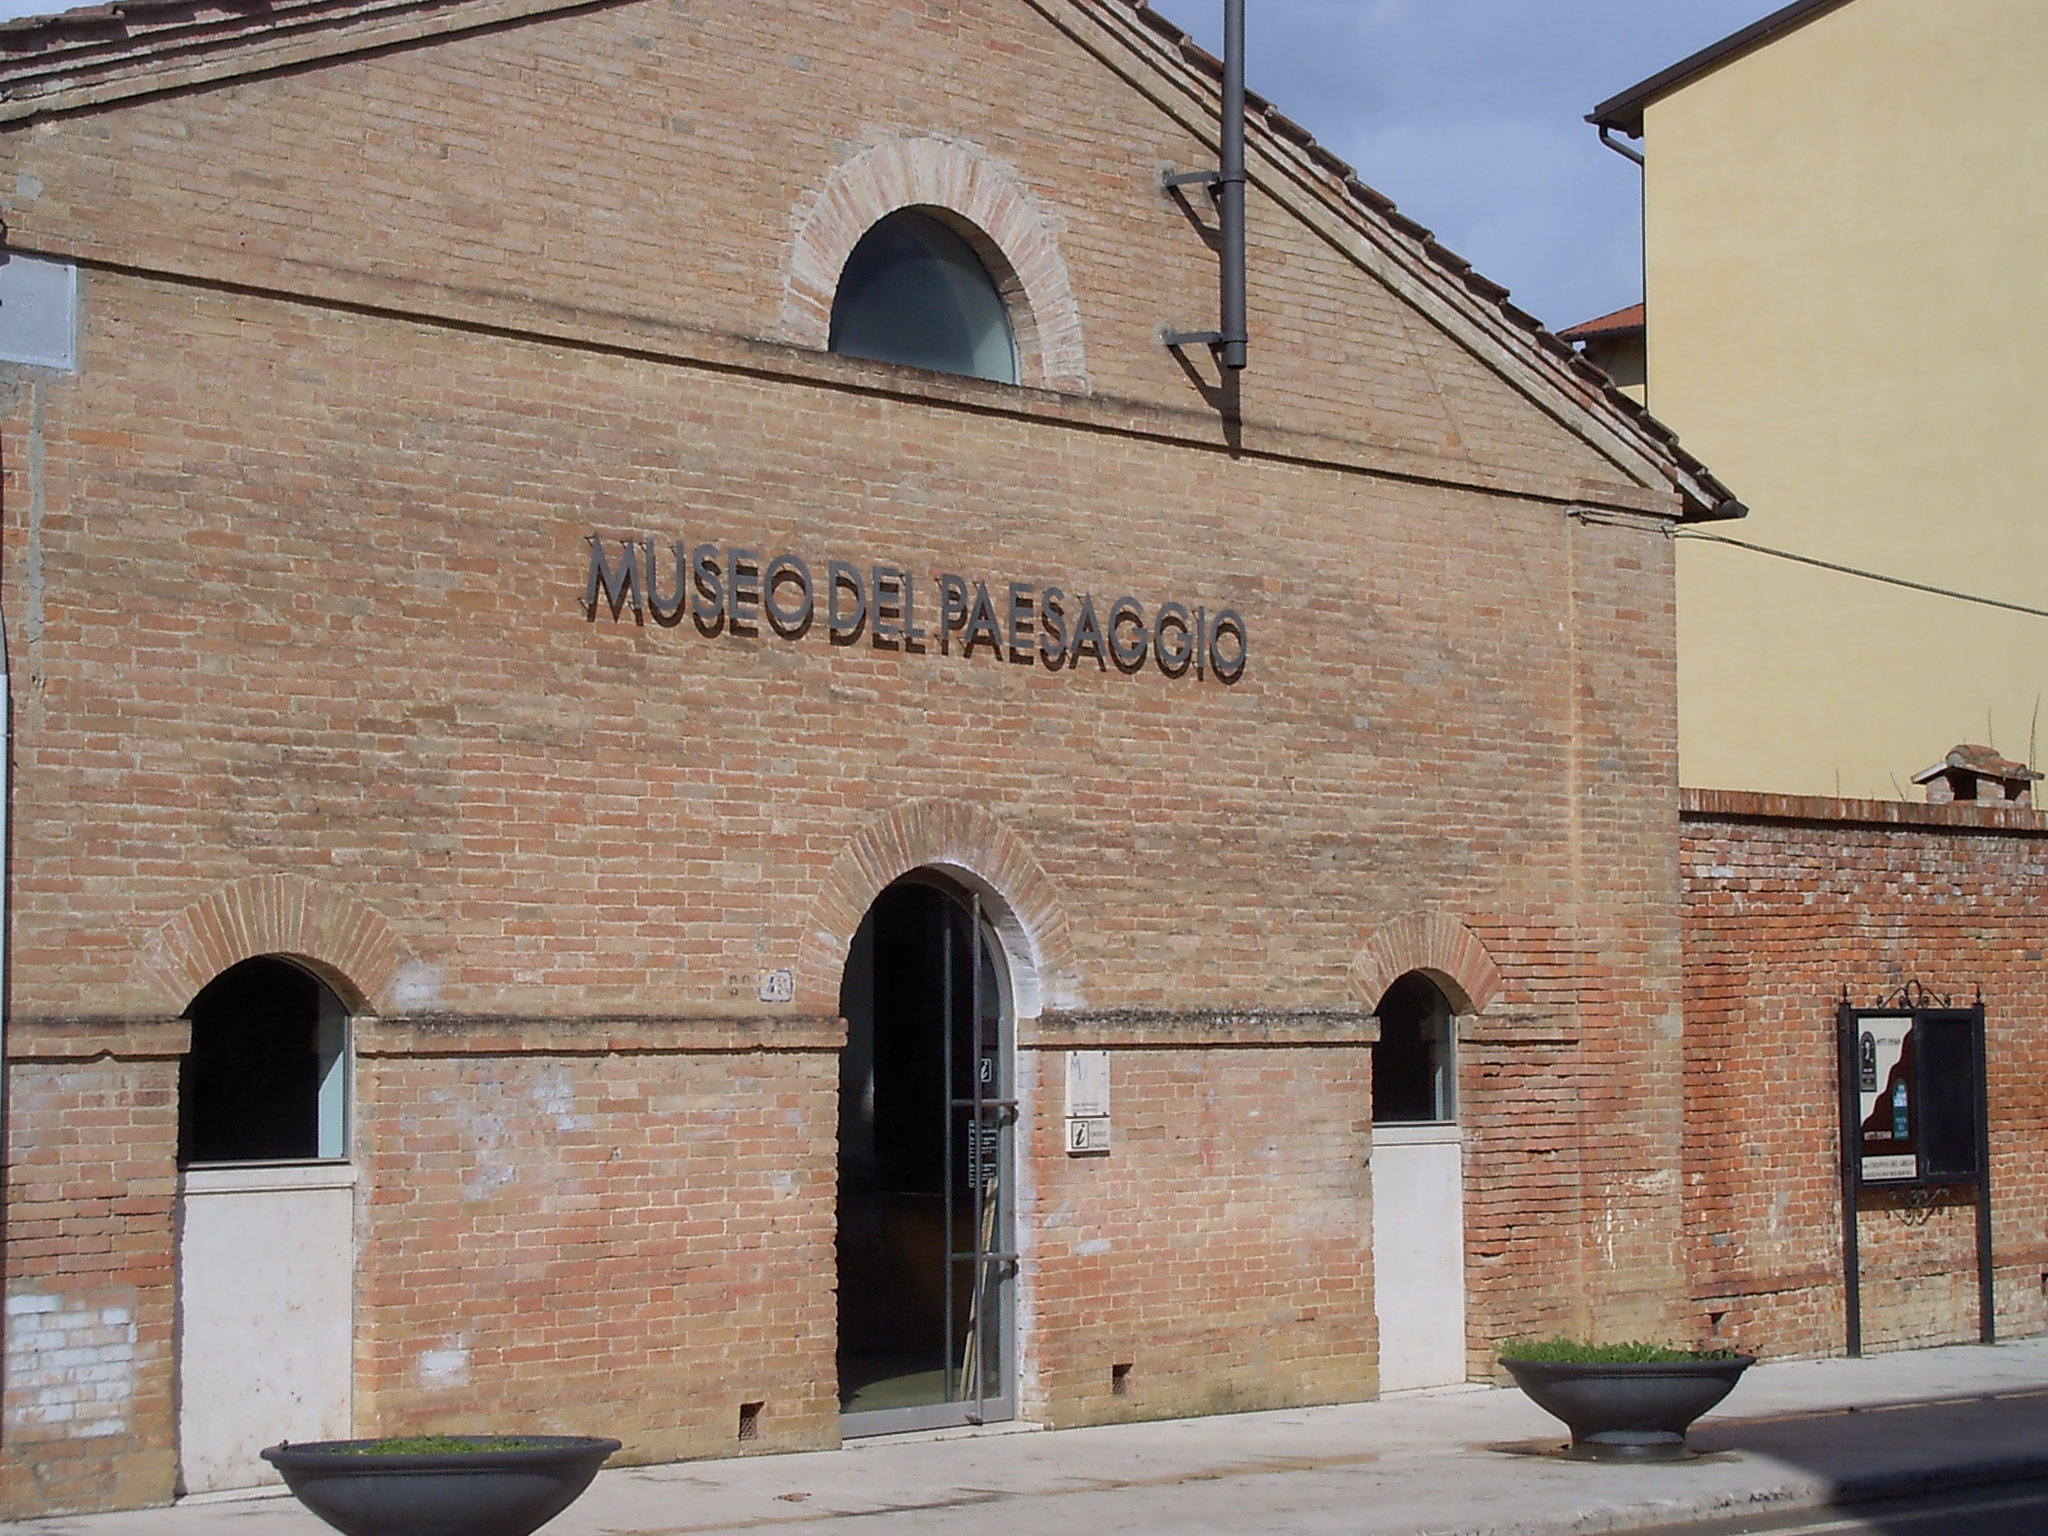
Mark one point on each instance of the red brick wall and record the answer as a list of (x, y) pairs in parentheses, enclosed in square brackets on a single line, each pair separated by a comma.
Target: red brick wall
[(1790, 901), (1222, 1249), (631, 1242), (92, 1131)]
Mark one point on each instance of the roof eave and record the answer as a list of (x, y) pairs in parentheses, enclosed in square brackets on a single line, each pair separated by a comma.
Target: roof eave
[(1624, 113)]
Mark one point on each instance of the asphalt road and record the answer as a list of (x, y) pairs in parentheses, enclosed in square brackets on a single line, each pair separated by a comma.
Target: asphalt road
[(2011, 1509)]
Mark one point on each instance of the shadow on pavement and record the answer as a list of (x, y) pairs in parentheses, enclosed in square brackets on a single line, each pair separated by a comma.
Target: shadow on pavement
[(1899, 1449)]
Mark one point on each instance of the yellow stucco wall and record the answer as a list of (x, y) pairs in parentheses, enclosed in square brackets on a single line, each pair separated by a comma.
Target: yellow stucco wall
[(1846, 251)]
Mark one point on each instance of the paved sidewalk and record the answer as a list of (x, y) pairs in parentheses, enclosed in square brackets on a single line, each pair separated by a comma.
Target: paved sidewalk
[(1473, 1461)]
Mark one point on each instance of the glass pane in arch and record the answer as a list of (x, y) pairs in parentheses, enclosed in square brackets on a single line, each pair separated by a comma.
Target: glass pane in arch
[(914, 292), (1413, 1076)]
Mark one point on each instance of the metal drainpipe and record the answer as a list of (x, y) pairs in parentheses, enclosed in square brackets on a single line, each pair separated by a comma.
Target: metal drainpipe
[(1226, 185), (1230, 190), (1618, 147)]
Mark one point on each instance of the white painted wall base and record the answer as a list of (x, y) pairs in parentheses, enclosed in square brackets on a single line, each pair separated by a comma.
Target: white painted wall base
[(1418, 1254), (266, 1266)]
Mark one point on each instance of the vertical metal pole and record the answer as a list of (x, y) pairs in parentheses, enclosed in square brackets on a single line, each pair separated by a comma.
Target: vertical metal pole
[(1987, 1300), (1845, 1072), (946, 1139), (6, 874), (980, 1279), (1230, 189)]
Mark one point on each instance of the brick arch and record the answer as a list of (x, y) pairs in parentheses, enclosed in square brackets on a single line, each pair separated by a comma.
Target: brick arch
[(1440, 947), (976, 849), (343, 941), (988, 202)]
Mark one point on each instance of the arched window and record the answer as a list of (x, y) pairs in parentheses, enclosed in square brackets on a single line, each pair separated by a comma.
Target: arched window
[(266, 1079), (1413, 1081), (914, 292)]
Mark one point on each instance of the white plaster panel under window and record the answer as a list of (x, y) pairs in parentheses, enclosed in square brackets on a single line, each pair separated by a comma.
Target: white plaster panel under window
[(38, 312), (1418, 1254), (265, 1302)]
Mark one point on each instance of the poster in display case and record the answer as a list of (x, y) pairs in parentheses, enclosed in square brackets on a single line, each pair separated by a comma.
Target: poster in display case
[(1885, 1100)]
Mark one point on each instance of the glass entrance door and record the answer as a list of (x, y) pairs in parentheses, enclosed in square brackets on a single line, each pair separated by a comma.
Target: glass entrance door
[(926, 1127)]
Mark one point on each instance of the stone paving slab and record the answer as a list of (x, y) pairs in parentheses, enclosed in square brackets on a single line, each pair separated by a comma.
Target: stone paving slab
[(1468, 1462)]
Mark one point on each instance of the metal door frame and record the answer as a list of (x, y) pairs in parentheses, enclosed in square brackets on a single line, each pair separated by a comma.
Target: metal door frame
[(999, 1219)]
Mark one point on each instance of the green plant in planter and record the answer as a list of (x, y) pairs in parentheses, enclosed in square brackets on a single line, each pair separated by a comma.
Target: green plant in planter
[(1630, 1352), (439, 1445)]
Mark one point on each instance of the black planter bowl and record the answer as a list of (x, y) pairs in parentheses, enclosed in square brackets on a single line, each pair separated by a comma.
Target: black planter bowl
[(1628, 1411), (491, 1490)]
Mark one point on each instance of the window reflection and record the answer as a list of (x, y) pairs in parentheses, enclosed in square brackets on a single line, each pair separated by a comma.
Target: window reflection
[(914, 292)]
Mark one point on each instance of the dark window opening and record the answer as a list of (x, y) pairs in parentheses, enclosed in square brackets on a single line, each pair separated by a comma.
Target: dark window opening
[(1413, 1080), (266, 1077), (914, 292)]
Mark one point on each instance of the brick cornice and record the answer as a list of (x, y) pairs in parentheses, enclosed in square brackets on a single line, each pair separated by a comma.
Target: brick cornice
[(501, 1035), (1696, 805), (1196, 1028), (38, 1038)]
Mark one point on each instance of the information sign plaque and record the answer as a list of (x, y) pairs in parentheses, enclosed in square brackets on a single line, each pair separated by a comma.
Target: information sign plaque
[(1885, 1098)]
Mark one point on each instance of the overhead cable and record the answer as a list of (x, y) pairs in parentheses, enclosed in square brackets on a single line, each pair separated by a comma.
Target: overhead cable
[(1850, 570)]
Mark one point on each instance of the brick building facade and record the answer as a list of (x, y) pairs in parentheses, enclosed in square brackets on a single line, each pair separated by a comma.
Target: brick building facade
[(400, 607)]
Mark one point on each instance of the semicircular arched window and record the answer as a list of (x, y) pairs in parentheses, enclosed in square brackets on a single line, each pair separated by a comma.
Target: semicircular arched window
[(914, 292)]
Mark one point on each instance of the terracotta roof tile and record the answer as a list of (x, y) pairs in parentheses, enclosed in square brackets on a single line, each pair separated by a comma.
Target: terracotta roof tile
[(1622, 322)]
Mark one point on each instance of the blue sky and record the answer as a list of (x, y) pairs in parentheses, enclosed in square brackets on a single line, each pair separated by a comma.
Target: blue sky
[(1469, 114)]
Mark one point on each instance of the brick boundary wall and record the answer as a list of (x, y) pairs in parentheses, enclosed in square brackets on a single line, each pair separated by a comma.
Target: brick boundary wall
[(1789, 900)]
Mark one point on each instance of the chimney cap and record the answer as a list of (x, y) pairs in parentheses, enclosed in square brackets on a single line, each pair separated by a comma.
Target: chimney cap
[(1982, 761), (1972, 772)]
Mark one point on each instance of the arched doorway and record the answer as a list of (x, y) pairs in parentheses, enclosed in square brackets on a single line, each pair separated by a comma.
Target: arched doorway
[(266, 1226), (927, 1110), (1418, 1192)]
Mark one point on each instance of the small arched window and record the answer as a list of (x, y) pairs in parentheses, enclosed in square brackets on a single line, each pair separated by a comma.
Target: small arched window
[(266, 1079), (1413, 1081), (914, 292)]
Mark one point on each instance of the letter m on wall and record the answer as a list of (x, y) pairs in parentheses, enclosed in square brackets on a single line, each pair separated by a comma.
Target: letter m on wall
[(620, 584)]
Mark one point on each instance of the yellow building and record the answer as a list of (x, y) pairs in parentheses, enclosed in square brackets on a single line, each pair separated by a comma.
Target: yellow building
[(1844, 239)]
